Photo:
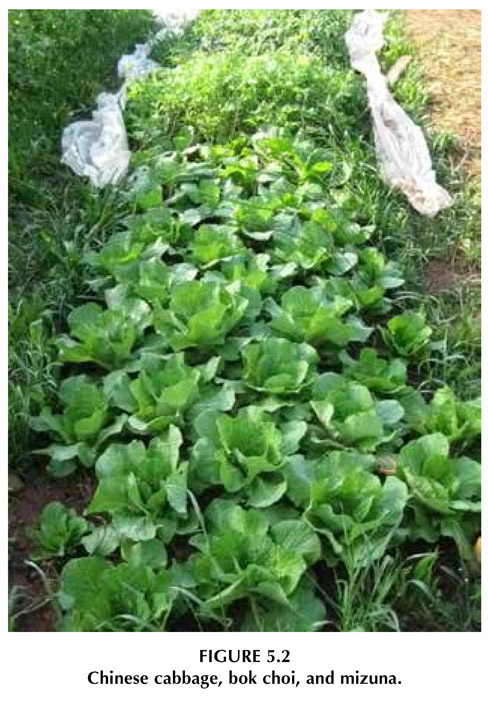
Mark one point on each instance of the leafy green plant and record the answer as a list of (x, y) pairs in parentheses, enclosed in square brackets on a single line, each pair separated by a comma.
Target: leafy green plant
[(143, 488), (375, 276), (269, 89), (104, 336), (99, 596), (407, 334), (446, 492), (347, 504), (121, 256), (84, 426), (349, 414), (60, 529), (459, 421), (306, 315), (163, 390), (380, 375), (243, 556), (255, 31), (309, 246), (213, 243), (245, 452), (278, 366), (200, 315)]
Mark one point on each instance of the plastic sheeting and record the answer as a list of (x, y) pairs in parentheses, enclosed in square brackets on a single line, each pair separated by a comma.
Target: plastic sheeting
[(98, 148), (136, 65), (400, 144)]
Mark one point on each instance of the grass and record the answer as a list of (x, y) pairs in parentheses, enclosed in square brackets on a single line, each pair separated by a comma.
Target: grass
[(443, 256), (251, 56), (58, 61), (55, 72), (418, 593)]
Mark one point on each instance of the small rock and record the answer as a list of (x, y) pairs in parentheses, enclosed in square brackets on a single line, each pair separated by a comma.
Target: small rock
[(15, 484)]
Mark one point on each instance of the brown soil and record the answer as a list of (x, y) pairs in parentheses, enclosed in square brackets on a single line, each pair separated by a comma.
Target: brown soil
[(441, 276), (449, 49), (25, 505)]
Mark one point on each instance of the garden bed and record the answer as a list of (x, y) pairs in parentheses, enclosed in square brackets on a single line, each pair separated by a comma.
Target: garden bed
[(257, 407)]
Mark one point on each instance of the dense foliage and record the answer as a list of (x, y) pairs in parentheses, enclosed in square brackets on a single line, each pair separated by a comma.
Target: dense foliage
[(240, 426)]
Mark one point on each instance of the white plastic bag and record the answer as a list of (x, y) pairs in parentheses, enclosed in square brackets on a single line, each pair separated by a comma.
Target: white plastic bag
[(98, 148), (400, 143)]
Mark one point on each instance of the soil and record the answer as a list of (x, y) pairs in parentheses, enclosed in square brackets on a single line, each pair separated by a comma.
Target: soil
[(449, 50), (442, 276)]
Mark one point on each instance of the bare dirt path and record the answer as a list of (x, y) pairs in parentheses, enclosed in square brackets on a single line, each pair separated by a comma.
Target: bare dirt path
[(449, 49)]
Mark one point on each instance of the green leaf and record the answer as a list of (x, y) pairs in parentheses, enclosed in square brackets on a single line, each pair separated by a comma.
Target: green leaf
[(177, 492), (80, 586), (390, 412), (110, 495), (299, 537), (407, 334), (136, 528), (264, 492), (278, 366), (60, 529), (292, 433), (150, 553), (102, 541)]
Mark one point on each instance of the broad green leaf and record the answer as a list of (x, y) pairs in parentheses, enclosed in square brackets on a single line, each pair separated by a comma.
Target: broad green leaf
[(278, 366), (407, 334), (60, 529)]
